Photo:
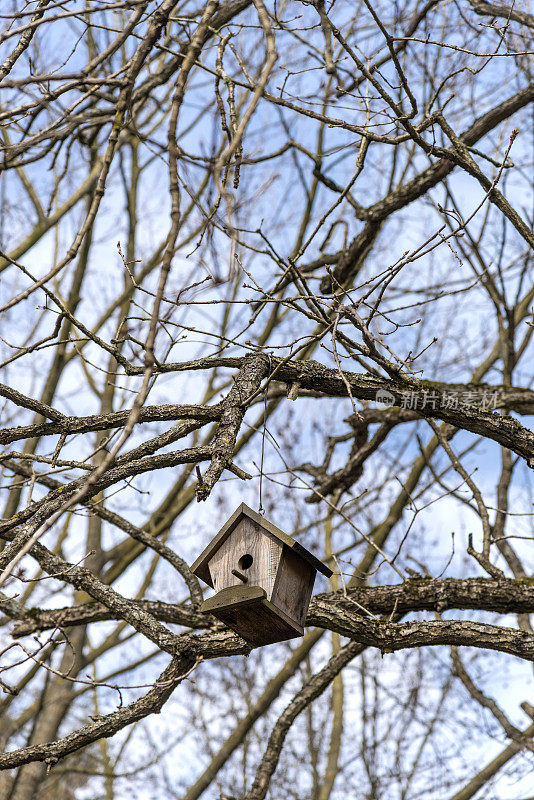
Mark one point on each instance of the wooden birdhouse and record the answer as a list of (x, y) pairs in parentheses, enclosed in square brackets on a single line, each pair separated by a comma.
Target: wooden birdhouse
[(263, 578)]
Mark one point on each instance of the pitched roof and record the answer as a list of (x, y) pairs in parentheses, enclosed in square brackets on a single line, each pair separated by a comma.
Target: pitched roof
[(200, 567)]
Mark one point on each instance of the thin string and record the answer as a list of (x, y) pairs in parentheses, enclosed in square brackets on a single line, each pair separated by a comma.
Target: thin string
[(261, 509)]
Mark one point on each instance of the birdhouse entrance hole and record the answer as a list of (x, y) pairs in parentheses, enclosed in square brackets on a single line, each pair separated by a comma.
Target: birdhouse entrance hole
[(245, 562)]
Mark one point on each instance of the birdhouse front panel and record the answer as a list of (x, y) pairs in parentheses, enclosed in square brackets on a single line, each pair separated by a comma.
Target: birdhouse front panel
[(248, 556)]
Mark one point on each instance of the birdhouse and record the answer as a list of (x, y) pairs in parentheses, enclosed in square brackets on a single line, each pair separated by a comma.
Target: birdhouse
[(263, 578)]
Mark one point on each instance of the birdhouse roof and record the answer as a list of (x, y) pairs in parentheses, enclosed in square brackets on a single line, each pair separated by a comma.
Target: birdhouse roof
[(200, 567)]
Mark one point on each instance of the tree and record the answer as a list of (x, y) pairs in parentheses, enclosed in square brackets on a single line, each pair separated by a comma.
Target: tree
[(279, 251)]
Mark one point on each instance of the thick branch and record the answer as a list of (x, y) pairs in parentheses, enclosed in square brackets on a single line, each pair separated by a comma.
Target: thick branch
[(390, 637), (246, 382), (474, 594), (102, 422)]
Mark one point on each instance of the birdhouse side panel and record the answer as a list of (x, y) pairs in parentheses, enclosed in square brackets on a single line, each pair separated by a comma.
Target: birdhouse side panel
[(294, 586), (248, 556)]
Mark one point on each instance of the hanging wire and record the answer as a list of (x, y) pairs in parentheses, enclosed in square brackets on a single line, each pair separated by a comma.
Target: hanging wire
[(261, 509)]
